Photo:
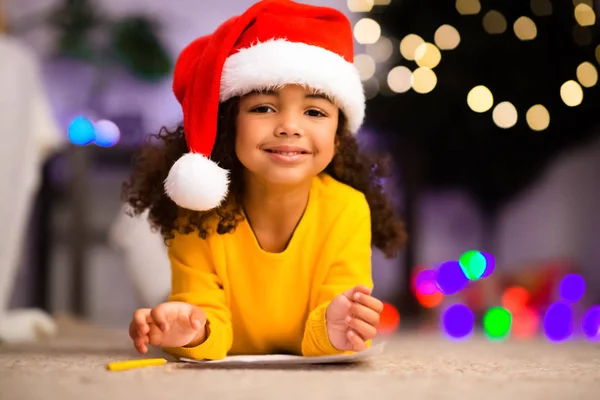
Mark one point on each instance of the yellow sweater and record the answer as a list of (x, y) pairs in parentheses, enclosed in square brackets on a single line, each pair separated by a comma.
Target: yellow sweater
[(263, 303)]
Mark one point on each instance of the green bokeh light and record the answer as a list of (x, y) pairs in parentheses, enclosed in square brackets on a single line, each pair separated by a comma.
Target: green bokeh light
[(473, 264), (497, 322)]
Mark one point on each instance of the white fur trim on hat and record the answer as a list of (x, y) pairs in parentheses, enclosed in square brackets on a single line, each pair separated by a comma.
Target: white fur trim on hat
[(276, 63), (197, 183)]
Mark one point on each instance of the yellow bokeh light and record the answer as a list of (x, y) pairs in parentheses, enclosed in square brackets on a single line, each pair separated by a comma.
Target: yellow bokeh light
[(587, 74), (360, 5), (423, 80), (587, 2), (367, 31), (446, 37), (365, 65), (525, 28), (409, 45), (494, 22), (505, 115), (480, 99), (541, 8), (468, 7), (399, 79), (598, 53), (427, 55), (381, 50), (382, 2), (585, 15), (571, 93), (371, 88), (538, 118)]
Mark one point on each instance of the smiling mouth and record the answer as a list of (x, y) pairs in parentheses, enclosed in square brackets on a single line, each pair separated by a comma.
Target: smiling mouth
[(286, 153)]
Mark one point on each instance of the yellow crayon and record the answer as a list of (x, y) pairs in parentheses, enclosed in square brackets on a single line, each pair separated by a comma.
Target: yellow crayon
[(131, 364)]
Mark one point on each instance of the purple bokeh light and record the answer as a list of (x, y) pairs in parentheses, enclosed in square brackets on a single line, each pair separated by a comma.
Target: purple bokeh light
[(591, 323), (572, 288), (426, 281), (458, 321), (450, 278), (490, 264), (558, 322)]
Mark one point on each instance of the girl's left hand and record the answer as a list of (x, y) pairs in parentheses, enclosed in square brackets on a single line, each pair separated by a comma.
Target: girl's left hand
[(352, 319)]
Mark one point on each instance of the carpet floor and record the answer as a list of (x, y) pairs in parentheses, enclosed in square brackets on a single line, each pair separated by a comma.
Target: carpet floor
[(413, 366)]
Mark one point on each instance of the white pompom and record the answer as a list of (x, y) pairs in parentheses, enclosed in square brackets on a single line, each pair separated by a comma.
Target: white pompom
[(197, 183)]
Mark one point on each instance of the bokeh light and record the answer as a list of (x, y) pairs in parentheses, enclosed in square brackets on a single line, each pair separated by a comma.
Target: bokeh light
[(409, 45), (389, 319), (371, 88), (558, 322), (480, 99), (571, 93), (587, 74), (525, 28), (458, 321), (497, 322), (541, 8), (107, 133), (538, 118), (494, 22), (381, 50), (429, 300), (525, 322), (360, 5), (446, 37), (490, 264), (468, 7), (591, 323), (81, 131), (572, 288), (367, 31), (451, 278), (399, 79), (366, 66), (505, 115), (424, 80), (515, 298), (426, 282), (472, 263), (427, 55), (584, 15)]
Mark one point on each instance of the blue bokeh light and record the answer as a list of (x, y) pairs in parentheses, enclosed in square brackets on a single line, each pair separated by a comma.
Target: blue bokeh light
[(591, 323), (558, 322), (450, 278), (490, 264), (458, 321), (107, 133), (81, 131), (572, 288)]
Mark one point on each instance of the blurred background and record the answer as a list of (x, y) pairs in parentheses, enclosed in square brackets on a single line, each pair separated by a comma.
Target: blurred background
[(488, 109)]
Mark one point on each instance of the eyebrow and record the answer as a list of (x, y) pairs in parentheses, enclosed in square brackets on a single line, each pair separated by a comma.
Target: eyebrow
[(271, 92)]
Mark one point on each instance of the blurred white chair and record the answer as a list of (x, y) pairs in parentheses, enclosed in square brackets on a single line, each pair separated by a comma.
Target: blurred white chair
[(29, 135), (145, 257)]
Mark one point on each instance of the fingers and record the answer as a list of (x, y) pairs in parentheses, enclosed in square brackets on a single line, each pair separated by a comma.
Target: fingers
[(159, 317), (364, 313), (155, 335), (141, 319), (197, 319), (362, 328), (368, 301), (362, 289), (356, 341)]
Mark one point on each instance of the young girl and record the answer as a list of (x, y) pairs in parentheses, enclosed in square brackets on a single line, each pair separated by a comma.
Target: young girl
[(268, 208)]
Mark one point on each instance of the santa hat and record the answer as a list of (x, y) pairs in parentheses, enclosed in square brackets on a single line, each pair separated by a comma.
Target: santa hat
[(274, 43)]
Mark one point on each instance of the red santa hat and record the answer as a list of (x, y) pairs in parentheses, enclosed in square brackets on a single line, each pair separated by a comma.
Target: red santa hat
[(274, 43)]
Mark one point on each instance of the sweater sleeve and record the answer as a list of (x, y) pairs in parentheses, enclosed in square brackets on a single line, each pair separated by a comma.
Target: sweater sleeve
[(196, 281), (351, 266)]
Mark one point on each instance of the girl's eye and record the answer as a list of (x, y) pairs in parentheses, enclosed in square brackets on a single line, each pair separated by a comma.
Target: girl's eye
[(315, 113), (262, 109)]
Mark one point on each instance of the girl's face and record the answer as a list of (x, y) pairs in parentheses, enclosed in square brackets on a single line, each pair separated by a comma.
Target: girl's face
[(286, 137)]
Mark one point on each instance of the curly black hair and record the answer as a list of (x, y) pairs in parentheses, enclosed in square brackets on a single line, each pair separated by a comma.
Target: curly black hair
[(145, 188)]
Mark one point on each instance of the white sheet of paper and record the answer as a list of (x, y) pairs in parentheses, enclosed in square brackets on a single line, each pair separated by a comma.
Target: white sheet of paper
[(283, 359)]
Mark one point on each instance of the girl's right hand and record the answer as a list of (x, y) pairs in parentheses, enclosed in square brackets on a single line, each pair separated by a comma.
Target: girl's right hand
[(171, 324)]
